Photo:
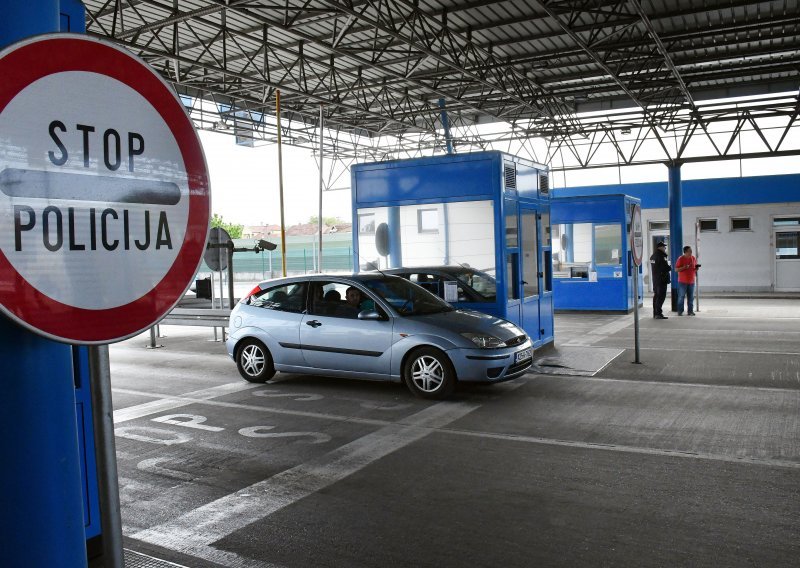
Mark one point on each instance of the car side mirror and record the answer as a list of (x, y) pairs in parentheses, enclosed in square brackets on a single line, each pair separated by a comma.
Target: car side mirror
[(369, 315)]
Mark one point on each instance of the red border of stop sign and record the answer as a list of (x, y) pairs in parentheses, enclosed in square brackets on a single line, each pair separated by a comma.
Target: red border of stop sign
[(31, 60)]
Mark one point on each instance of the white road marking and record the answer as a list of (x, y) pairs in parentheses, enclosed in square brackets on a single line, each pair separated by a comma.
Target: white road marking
[(738, 352), (626, 449), (678, 384), (195, 532), (169, 403), (187, 400)]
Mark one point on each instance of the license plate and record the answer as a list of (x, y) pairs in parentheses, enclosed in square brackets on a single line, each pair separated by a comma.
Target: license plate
[(522, 355)]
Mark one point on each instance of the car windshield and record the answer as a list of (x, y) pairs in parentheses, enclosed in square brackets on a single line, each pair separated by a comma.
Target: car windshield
[(482, 283), (407, 298)]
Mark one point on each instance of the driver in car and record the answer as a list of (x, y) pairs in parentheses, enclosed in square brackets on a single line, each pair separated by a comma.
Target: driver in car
[(356, 301)]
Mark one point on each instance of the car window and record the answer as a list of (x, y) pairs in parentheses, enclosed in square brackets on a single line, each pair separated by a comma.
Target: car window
[(407, 298), (481, 282), (434, 283), (338, 300), (286, 298)]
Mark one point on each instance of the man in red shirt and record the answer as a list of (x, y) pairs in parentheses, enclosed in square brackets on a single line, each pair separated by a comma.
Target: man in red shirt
[(686, 267)]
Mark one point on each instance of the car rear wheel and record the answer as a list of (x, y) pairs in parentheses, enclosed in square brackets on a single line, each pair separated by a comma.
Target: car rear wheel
[(428, 373), (254, 361)]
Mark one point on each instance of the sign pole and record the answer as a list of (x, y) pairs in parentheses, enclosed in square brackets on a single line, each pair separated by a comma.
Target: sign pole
[(280, 180), (106, 456), (319, 220), (636, 243), (636, 312), (697, 274)]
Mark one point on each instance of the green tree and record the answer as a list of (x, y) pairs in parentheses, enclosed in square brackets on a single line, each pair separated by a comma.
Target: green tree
[(328, 221), (235, 231)]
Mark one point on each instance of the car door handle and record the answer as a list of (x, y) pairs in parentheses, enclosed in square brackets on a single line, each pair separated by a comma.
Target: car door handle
[(314, 323)]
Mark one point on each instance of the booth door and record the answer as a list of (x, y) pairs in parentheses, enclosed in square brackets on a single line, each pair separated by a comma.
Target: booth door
[(787, 260), (531, 275)]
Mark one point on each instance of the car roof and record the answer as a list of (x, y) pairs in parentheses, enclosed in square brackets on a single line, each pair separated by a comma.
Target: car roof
[(441, 268), (356, 277)]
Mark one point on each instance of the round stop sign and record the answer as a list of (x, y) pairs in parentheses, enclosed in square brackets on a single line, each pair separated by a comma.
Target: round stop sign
[(636, 236), (104, 192)]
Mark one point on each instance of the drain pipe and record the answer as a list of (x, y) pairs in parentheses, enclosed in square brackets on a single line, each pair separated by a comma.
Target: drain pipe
[(446, 125)]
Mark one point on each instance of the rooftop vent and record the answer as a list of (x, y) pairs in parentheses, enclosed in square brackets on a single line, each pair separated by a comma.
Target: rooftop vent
[(544, 184), (510, 171)]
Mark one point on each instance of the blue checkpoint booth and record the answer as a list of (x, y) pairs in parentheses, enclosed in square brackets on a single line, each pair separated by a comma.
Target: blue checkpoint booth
[(592, 264), (487, 211)]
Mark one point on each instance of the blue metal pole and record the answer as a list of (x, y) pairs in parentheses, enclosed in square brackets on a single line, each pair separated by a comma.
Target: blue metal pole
[(675, 224), (42, 503), (73, 16), (40, 486), (395, 246), (446, 125), (569, 253), (24, 19)]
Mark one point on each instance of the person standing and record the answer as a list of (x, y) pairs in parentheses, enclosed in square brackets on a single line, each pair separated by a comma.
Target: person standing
[(686, 266), (659, 268)]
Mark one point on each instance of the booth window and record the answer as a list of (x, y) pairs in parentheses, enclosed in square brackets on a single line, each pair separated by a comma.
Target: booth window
[(658, 225), (740, 223), (546, 229), (786, 222), (428, 220), (366, 224), (787, 245), (708, 225), (607, 244), (512, 227), (530, 251), (465, 236), (572, 250)]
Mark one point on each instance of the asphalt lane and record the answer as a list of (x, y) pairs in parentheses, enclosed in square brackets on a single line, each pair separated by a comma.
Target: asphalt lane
[(690, 459)]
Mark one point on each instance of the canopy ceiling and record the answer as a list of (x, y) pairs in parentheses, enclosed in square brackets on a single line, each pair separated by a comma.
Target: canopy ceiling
[(382, 70)]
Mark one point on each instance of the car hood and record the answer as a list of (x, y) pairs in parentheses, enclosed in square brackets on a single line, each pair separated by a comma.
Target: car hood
[(470, 321)]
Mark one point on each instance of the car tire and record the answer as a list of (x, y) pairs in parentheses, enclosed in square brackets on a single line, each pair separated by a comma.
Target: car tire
[(254, 361), (428, 373)]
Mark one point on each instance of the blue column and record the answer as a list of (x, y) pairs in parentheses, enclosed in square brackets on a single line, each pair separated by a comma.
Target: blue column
[(41, 518), (73, 16), (395, 246), (675, 224), (569, 253), (19, 20)]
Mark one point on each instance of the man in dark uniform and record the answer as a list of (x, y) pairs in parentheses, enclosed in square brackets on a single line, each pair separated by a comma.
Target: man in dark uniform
[(659, 268)]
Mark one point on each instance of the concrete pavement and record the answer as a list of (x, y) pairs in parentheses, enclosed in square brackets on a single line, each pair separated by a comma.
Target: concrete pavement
[(691, 458)]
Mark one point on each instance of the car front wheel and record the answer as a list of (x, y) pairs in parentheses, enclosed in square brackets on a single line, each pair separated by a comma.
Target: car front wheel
[(254, 361), (428, 373)]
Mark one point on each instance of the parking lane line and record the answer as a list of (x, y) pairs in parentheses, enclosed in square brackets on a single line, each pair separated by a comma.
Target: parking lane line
[(195, 532), (625, 449), (665, 383), (169, 402), (181, 401)]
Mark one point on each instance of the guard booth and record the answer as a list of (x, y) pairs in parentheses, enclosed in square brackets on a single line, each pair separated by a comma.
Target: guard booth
[(592, 268), (487, 212)]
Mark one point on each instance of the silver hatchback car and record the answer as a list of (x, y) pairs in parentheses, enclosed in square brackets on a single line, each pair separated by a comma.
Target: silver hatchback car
[(371, 326)]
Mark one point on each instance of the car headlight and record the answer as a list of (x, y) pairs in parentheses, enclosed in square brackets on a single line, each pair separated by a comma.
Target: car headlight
[(484, 341)]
